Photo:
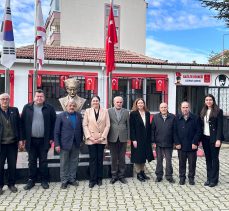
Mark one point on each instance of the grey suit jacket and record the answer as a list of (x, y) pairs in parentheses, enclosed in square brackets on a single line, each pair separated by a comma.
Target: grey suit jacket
[(119, 129)]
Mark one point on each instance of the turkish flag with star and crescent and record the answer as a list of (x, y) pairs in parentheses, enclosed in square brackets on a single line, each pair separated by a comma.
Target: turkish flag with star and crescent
[(89, 83), (111, 40), (160, 85)]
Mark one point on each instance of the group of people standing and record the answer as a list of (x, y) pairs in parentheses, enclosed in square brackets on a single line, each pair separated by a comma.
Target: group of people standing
[(39, 126), (185, 131)]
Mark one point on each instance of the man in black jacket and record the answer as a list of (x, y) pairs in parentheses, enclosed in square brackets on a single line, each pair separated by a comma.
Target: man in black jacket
[(162, 136), (38, 121), (9, 137), (187, 136)]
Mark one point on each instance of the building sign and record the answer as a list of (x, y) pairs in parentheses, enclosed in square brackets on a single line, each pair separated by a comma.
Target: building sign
[(193, 79), (222, 80)]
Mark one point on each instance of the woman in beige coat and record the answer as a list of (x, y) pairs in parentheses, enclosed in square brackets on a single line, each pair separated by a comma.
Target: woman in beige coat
[(96, 125)]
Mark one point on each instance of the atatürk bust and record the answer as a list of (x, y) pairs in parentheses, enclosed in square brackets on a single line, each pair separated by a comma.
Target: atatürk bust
[(72, 86)]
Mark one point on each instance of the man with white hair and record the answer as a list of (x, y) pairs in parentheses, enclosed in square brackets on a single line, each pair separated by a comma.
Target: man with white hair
[(9, 137), (117, 139), (163, 137), (68, 136)]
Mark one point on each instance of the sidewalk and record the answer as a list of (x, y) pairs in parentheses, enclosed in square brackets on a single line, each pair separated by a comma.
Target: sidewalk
[(134, 196)]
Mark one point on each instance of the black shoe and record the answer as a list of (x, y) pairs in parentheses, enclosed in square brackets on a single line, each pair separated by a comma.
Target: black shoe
[(113, 180), (1, 191), (212, 184), (30, 184), (45, 185), (182, 182), (13, 189), (140, 177), (91, 184), (191, 182), (99, 182), (159, 179), (207, 183), (123, 180), (64, 185), (171, 180), (144, 175), (75, 183)]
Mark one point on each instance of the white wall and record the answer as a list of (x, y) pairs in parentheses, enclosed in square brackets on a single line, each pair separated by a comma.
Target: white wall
[(82, 24)]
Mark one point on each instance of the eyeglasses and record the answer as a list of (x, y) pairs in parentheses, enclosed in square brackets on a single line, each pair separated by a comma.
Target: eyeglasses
[(4, 99)]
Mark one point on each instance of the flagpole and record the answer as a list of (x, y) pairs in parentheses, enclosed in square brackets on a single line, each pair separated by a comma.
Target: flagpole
[(35, 51), (8, 55), (7, 80), (110, 79)]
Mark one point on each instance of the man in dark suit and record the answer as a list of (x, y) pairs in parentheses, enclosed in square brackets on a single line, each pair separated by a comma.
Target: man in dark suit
[(187, 136), (9, 137), (162, 136), (38, 121), (117, 139), (68, 135)]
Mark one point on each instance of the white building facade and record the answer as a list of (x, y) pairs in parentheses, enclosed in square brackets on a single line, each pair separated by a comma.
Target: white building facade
[(83, 23)]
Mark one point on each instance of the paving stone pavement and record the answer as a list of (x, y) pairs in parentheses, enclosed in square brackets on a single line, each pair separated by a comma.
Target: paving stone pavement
[(147, 196)]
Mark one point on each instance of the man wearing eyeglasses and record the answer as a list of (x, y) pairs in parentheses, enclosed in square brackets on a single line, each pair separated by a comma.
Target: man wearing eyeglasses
[(9, 137)]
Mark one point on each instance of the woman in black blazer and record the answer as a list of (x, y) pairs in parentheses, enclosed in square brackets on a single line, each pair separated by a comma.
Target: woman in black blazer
[(140, 135), (212, 121)]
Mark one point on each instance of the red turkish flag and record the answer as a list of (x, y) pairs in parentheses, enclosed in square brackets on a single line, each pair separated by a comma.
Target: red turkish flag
[(115, 84), (111, 40), (62, 79), (136, 83), (89, 83), (160, 85), (39, 81)]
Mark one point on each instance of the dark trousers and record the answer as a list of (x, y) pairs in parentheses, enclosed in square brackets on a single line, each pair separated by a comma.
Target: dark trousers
[(9, 152), (96, 152), (183, 157), (212, 159), (161, 153), (118, 165), (37, 151)]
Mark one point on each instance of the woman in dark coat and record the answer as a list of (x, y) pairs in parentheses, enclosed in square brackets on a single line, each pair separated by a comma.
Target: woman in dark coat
[(140, 135), (212, 122)]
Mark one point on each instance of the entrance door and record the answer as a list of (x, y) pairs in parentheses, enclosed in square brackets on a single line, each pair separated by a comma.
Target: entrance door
[(193, 94)]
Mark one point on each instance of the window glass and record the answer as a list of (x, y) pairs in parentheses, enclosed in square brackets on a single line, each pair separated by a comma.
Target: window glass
[(153, 98)]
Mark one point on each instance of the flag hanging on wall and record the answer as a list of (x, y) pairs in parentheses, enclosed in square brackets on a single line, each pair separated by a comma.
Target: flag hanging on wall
[(89, 83), (111, 40), (160, 85), (62, 79), (39, 81), (115, 84), (8, 55), (40, 34), (136, 83)]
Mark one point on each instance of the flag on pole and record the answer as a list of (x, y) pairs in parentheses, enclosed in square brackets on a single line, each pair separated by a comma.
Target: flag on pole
[(8, 55), (40, 35), (111, 40)]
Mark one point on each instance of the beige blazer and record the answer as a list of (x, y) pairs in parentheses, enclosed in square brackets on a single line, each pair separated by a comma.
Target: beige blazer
[(96, 129)]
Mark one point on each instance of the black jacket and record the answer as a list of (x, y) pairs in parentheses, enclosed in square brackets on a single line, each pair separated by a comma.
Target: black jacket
[(187, 132), (163, 131), (15, 123), (216, 127), (141, 134), (49, 116)]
